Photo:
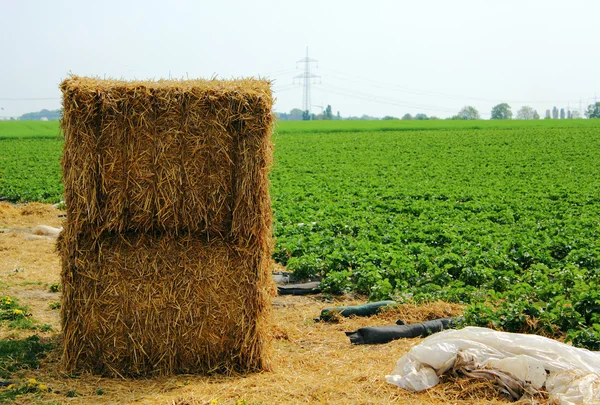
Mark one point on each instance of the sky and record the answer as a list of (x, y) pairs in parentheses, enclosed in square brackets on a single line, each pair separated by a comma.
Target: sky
[(376, 58)]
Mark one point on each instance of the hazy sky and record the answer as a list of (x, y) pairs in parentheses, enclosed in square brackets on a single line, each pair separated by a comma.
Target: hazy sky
[(375, 57)]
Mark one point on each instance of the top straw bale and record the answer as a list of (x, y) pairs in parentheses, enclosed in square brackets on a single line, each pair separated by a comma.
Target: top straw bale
[(176, 155)]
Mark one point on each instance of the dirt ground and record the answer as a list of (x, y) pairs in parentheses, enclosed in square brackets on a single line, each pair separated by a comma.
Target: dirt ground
[(313, 362)]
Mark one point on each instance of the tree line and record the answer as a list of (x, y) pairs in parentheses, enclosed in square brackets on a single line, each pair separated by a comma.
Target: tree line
[(43, 115), (502, 111)]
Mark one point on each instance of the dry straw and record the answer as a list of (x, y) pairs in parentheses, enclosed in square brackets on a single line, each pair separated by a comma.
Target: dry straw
[(167, 243), (168, 155)]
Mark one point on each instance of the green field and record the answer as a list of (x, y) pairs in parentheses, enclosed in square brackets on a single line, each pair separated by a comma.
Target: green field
[(296, 127), (29, 129), (30, 154), (501, 215)]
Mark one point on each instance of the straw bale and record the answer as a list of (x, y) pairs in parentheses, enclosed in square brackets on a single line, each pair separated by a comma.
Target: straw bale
[(166, 250), (143, 304), (183, 156)]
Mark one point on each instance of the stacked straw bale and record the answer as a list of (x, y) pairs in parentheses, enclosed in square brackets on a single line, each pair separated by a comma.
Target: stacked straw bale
[(166, 249)]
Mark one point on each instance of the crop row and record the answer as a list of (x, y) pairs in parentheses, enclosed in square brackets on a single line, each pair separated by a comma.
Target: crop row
[(506, 220), (30, 169)]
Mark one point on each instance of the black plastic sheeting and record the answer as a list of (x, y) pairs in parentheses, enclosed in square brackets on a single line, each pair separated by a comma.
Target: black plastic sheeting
[(357, 310), (384, 334), (299, 289)]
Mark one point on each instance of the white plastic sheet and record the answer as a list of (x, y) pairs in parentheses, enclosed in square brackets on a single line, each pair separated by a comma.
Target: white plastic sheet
[(570, 375)]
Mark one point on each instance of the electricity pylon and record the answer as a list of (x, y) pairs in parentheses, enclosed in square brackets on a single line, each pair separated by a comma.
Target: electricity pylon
[(306, 78)]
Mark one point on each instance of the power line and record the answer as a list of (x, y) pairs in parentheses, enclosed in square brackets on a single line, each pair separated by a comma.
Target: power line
[(279, 72), (399, 88), (29, 98), (285, 88), (388, 100), (306, 78), (381, 100)]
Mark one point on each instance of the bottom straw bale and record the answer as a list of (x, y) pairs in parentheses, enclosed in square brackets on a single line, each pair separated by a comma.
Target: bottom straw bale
[(138, 305)]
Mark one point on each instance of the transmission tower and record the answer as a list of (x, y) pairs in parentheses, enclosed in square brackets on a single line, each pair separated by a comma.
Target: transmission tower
[(305, 78)]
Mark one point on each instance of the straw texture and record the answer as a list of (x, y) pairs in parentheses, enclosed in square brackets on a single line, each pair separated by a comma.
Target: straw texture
[(167, 243), (167, 155), (139, 304)]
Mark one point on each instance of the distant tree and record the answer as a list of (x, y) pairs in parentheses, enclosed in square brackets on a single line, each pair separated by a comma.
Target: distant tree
[(306, 115), (421, 117), (536, 116), (575, 115), (338, 116), (569, 114), (389, 118), (328, 114), (296, 114), (366, 117), (593, 110), (434, 118), (467, 113), (562, 113), (501, 112), (42, 115), (547, 117), (407, 116), (526, 113), (555, 113)]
